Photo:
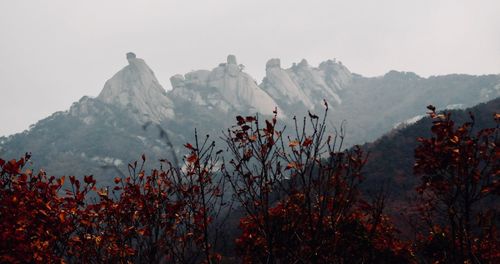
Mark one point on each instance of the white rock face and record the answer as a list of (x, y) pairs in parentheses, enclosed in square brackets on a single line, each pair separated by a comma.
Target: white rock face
[(455, 106), (136, 88), (235, 89), (306, 85), (192, 89), (279, 84)]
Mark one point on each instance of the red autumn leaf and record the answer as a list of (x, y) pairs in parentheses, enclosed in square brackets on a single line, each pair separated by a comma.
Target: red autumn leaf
[(60, 181), (292, 165), (142, 231), (269, 127), (240, 135), (102, 192), (85, 222), (307, 142), (88, 179), (240, 120), (62, 217), (250, 119), (192, 158)]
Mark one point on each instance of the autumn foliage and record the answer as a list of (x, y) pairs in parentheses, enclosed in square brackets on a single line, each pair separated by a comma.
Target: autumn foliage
[(460, 172), (160, 217), (301, 199), (296, 197)]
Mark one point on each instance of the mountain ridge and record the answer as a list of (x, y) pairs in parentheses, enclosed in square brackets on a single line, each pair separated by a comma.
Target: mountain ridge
[(112, 128)]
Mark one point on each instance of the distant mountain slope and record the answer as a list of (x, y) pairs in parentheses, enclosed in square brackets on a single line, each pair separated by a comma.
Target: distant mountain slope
[(391, 157), (133, 114), (91, 138), (373, 106)]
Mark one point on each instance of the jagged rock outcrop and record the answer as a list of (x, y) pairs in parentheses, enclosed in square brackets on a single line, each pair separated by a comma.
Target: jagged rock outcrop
[(224, 88), (136, 89), (305, 86), (281, 86), (191, 90)]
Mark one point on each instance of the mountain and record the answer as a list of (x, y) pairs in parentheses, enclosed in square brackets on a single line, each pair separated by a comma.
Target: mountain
[(134, 114), (373, 106), (391, 157), (98, 135), (370, 106)]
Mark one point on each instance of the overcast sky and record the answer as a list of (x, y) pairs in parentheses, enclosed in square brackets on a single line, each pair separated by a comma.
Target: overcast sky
[(54, 52)]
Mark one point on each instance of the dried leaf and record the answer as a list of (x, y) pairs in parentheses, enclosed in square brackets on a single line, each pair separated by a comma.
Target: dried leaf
[(293, 143)]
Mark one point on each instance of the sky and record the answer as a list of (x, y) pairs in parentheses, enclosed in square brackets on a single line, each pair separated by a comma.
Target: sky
[(54, 52)]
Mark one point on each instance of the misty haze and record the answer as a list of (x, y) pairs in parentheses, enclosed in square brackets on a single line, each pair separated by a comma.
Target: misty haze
[(259, 132)]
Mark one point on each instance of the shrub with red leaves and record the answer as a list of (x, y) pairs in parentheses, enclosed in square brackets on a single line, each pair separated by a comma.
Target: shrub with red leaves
[(36, 222), (460, 172), (301, 198), (166, 216)]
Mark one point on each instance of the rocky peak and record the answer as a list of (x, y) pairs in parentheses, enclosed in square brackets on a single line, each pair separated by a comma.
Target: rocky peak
[(273, 63), (280, 85), (336, 74), (135, 88), (303, 64), (231, 59), (130, 56), (304, 85), (236, 90)]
